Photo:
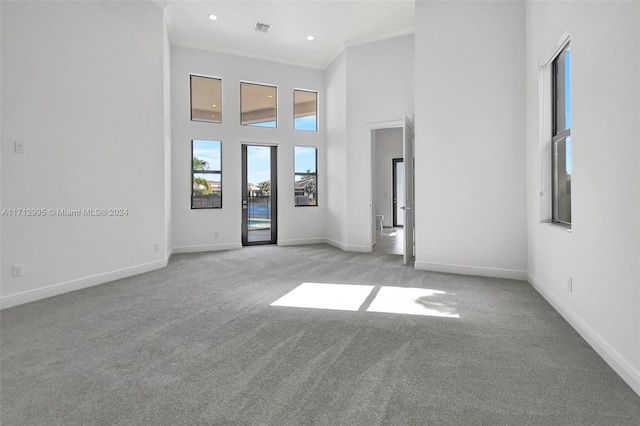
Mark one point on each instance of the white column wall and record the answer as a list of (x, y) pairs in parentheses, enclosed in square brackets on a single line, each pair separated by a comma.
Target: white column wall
[(469, 148)]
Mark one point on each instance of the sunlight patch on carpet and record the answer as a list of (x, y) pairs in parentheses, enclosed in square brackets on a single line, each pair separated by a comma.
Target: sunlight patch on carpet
[(339, 297), (388, 299), (414, 301)]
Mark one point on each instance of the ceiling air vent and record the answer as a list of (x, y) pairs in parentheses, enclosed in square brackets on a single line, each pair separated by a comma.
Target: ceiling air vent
[(262, 27)]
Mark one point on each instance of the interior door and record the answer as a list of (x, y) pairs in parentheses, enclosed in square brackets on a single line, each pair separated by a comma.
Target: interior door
[(408, 208), (259, 195)]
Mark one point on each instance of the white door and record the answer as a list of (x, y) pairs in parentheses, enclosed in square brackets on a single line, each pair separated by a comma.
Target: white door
[(408, 207)]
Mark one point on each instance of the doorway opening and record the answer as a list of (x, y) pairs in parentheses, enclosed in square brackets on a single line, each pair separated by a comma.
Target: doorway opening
[(259, 195), (392, 188)]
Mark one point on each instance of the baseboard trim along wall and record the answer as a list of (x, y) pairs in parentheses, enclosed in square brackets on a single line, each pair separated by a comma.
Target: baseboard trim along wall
[(56, 289), (302, 241), (336, 244), (358, 249), (472, 270), (627, 372), (206, 247)]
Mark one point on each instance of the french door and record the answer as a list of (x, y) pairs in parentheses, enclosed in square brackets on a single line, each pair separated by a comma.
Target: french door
[(259, 195)]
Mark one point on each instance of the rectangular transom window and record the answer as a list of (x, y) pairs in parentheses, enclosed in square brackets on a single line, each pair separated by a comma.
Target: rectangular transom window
[(561, 137), (305, 110), (206, 174), (305, 176), (258, 105), (206, 99)]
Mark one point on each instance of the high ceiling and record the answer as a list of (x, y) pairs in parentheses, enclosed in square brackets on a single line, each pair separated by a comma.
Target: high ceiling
[(334, 24)]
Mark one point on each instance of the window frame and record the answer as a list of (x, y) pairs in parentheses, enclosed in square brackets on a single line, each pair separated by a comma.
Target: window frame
[(557, 137), (305, 174), (213, 172), (275, 100), (294, 109), (191, 75)]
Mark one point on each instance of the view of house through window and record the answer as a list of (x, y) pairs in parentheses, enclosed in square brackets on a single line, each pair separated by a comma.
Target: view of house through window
[(258, 105), (206, 99), (306, 176), (305, 110), (561, 159), (206, 174)]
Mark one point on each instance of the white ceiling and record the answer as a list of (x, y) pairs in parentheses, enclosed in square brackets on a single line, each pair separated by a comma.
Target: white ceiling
[(334, 24)]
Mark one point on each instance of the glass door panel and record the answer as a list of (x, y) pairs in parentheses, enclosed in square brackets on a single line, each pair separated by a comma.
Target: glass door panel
[(259, 192)]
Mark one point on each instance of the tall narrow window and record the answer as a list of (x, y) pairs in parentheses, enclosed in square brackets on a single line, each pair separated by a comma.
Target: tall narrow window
[(305, 110), (206, 175), (206, 99), (305, 176), (258, 105), (561, 137)]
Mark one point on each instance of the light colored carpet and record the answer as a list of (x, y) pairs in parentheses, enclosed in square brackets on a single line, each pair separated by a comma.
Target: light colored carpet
[(198, 343)]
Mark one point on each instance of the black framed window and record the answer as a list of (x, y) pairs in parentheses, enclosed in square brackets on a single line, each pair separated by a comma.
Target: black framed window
[(258, 105), (561, 137), (305, 110), (206, 99), (206, 174), (305, 176)]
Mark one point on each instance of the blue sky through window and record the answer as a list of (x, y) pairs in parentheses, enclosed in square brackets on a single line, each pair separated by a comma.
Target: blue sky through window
[(258, 164), (263, 124), (305, 159), (305, 123), (208, 151)]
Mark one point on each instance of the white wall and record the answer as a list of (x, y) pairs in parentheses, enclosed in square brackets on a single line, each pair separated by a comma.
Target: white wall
[(336, 167), (380, 87), (82, 88), (195, 230), (469, 149), (601, 254), (166, 87), (388, 145)]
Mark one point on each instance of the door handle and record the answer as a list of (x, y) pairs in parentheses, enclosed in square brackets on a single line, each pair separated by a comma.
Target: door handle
[(405, 208)]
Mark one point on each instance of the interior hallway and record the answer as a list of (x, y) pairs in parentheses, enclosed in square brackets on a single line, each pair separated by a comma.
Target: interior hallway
[(389, 241)]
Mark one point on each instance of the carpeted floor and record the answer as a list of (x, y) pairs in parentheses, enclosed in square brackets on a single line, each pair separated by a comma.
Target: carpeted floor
[(198, 343)]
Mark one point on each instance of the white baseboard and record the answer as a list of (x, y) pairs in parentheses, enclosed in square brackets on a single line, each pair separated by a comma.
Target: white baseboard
[(346, 247), (302, 241), (626, 371), (206, 247), (358, 249), (337, 244), (60, 288), (472, 270)]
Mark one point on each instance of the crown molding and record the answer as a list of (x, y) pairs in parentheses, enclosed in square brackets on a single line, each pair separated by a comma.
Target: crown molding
[(250, 55), (364, 40), (305, 64)]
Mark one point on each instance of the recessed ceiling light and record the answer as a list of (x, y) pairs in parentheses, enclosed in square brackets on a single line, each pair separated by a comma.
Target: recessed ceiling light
[(213, 17), (310, 37)]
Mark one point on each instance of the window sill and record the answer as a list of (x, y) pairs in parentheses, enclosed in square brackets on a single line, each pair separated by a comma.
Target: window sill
[(558, 226)]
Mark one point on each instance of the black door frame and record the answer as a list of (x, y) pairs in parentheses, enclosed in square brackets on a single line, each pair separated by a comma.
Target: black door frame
[(274, 197), (394, 201)]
